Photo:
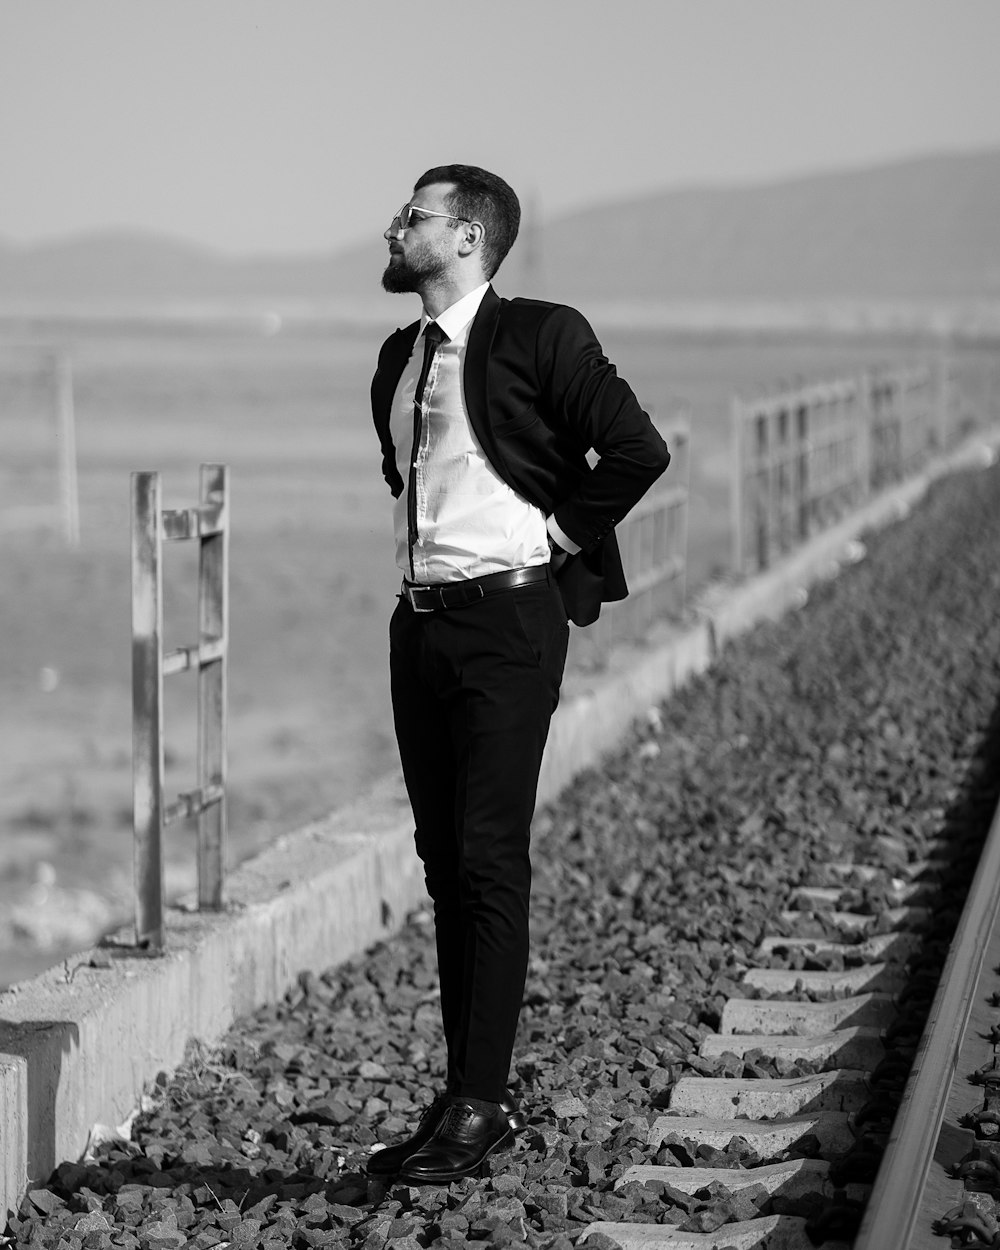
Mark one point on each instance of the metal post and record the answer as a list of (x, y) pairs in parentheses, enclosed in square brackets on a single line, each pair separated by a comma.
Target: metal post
[(682, 537), (802, 414), (864, 419), (943, 397), (738, 495), (213, 612), (147, 709), (66, 434), (901, 410), (766, 516)]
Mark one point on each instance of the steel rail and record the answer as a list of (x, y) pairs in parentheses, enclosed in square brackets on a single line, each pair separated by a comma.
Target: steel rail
[(893, 1210)]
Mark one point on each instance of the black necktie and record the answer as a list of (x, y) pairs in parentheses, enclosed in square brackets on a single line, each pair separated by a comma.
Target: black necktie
[(433, 335)]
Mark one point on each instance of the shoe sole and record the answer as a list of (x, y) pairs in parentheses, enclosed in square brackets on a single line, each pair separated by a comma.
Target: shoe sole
[(383, 1173), (444, 1178)]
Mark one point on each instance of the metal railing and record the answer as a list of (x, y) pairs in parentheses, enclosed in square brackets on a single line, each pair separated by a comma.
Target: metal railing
[(653, 542), (208, 522), (807, 455), (905, 426)]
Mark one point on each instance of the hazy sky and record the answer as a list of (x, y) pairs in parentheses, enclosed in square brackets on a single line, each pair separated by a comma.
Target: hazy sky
[(297, 125)]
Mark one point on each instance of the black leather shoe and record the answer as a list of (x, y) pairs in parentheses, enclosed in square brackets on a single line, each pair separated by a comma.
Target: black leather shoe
[(460, 1144), (388, 1161)]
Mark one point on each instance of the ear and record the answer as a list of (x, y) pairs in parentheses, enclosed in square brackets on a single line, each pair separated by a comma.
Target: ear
[(470, 238)]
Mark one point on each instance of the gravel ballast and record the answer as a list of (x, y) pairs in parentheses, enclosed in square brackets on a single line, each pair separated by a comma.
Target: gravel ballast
[(871, 711)]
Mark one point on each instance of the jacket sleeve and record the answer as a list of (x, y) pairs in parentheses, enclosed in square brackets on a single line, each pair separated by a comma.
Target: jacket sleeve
[(600, 410)]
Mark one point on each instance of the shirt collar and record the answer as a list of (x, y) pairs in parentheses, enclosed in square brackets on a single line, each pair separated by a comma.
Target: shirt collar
[(459, 316)]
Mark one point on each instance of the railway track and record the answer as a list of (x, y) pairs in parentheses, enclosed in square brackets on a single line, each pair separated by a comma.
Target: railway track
[(886, 1135)]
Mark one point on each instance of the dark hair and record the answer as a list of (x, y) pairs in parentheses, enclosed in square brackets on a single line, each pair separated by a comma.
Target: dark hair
[(481, 196)]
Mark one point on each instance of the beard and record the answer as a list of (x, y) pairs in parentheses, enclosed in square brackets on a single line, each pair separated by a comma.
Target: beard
[(404, 275)]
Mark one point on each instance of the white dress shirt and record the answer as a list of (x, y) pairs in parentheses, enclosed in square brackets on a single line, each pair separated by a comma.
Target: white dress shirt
[(469, 521)]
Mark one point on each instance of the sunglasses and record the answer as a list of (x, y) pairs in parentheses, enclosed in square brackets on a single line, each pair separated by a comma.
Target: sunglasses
[(412, 214)]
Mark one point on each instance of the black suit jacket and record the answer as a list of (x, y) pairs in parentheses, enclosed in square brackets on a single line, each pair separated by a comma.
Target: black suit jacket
[(540, 394)]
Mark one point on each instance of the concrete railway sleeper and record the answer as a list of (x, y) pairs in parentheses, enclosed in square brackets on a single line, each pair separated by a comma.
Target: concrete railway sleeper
[(842, 992)]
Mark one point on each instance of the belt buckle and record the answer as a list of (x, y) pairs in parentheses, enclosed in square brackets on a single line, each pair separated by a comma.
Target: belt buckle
[(411, 592)]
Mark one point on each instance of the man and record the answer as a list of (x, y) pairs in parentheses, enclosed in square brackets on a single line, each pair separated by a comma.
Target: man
[(485, 411)]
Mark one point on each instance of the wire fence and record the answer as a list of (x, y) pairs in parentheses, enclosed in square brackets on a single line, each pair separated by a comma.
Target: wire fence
[(807, 455)]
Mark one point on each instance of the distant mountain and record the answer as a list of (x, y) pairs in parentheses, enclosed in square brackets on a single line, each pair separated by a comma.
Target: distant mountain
[(916, 229), (113, 267), (919, 229)]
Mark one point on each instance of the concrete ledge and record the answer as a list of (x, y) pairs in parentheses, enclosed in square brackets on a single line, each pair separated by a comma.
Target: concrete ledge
[(13, 1129), (78, 1044)]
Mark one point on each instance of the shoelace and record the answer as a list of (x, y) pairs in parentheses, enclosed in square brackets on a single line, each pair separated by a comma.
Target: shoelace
[(456, 1121), (430, 1111)]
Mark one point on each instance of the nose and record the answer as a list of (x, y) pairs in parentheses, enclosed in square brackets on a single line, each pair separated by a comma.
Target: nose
[(394, 230)]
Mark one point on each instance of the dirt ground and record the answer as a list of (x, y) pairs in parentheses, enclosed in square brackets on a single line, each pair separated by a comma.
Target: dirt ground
[(312, 582)]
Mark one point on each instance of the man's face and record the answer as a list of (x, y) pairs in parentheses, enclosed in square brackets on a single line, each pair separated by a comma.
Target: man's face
[(425, 251)]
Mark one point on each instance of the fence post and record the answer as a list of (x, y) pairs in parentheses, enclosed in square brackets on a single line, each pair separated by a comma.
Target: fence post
[(147, 709), (803, 413), (682, 540), (151, 527), (213, 624), (943, 397), (866, 434), (738, 486), (765, 517), (66, 434)]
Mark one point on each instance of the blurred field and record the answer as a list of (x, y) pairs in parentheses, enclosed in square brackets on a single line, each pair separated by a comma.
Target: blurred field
[(312, 570)]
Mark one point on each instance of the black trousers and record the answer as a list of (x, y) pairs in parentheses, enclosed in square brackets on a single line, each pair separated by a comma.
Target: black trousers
[(473, 691)]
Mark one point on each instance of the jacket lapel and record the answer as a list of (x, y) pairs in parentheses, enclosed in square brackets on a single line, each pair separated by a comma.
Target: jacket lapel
[(392, 360), (477, 356)]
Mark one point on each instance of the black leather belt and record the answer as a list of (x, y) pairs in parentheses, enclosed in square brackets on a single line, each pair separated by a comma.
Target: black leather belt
[(459, 594)]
